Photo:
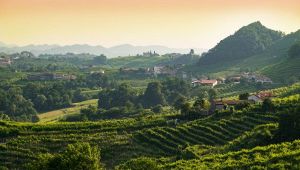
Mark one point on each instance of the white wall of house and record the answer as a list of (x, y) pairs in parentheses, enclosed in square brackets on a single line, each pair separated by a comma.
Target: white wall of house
[(254, 98)]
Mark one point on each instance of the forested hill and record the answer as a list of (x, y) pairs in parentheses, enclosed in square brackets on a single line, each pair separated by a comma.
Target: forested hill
[(246, 42), (288, 69)]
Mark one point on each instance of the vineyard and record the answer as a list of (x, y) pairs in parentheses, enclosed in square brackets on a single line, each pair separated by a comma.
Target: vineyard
[(224, 140), (211, 131), (276, 156), (120, 140)]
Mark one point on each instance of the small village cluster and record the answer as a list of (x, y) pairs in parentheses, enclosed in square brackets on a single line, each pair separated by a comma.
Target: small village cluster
[(7, 60), (255, 98), (247, 76)]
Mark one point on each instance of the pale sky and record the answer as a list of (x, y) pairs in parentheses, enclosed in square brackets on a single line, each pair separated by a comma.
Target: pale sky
[(173, 23)]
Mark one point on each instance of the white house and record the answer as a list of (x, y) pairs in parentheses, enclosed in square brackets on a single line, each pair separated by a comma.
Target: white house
[(254, 98), (257, 98), (202, 82)]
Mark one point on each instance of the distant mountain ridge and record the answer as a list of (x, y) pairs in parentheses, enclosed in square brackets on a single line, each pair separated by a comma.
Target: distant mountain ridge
[(115, 51)]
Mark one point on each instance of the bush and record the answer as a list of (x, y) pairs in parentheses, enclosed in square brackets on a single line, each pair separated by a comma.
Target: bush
[(268, 105), (157, 109), (79, 156), (140, 164), (289, 124)]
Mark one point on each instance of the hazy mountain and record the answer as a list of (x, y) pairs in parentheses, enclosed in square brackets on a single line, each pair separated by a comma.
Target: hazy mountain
[(246, 42), (2, 44), (120, 50)]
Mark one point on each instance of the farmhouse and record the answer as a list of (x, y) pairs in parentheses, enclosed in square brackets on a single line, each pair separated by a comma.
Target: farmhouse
[(263, 79), (221, 80), (163, 70), (5, 62), (235, 79), (258, 98), (252, 77), (203, 82), (225, 104)]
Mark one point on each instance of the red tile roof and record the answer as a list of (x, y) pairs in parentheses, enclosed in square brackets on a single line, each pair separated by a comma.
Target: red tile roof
[(264, 95)]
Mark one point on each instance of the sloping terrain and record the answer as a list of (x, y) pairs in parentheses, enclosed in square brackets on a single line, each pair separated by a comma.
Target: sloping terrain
[(244, 51), (250, 40)]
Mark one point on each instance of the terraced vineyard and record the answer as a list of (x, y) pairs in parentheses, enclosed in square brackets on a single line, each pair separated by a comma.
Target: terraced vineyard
[(210, 131), (23, 142), (276, 156), (230, 90), (120, 140)]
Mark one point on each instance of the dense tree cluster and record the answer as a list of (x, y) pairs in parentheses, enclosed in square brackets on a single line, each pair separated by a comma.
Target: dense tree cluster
[(92, 80), (13, 104), (173, 88), (156, 93), (289, 124), (153, 95), (244, 96), (77, 156), (120, 96), (102, 59), (48, 96)]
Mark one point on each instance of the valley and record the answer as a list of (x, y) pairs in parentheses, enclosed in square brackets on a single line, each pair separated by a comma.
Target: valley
[(235, 106)]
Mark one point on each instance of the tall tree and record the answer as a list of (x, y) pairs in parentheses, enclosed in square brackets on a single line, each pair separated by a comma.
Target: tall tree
[(102, 59), (153, 95), (212, 94), (244, 96), (268, 105)]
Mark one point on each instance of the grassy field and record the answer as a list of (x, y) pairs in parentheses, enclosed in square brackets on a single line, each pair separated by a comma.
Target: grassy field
[(55, 115)]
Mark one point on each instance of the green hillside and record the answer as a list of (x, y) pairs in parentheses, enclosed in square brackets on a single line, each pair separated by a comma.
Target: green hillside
[(60, 113), (246, 42), (232, 55), (277, 156), (289, 69), (121, 140), (224, 140)]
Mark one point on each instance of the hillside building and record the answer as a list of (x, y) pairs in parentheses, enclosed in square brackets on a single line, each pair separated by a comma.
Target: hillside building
[(5, 62), (204, 82)]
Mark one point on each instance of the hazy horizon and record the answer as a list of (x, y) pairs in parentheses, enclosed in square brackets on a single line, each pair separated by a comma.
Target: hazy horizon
[(11, 45), (170, 23)]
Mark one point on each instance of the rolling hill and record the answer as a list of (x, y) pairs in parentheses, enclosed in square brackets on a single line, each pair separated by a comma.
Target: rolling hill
[(246, 42), (253, 48)]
